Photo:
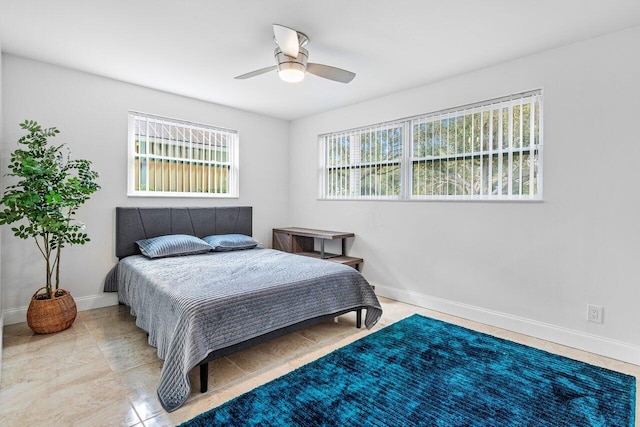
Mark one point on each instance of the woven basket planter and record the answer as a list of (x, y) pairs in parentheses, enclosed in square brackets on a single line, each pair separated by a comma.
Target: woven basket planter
[(46, 316)]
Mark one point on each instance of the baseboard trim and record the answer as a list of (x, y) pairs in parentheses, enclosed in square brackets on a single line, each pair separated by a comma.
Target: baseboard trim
[(614, 349), (17, 315)]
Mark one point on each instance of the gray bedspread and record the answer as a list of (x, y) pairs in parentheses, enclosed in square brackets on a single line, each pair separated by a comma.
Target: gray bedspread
[(196, 304)]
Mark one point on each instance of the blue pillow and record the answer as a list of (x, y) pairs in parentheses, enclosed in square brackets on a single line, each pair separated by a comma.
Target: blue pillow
[(230, 242), (173, 245)]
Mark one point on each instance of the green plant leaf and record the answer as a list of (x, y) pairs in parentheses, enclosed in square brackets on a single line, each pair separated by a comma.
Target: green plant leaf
[(50, 189)]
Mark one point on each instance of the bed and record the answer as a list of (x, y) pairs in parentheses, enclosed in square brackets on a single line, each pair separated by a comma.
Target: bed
[(197, 308)]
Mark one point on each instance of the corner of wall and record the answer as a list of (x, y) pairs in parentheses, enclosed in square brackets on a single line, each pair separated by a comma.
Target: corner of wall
[(1, 142)]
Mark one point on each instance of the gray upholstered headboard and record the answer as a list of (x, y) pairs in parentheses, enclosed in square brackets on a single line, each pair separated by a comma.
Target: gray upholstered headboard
[(143, 223)]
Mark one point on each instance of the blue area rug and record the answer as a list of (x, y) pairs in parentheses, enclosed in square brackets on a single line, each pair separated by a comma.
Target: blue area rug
[(422, 371)]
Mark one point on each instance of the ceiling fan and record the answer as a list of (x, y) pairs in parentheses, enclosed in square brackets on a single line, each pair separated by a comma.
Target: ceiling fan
[(291, 58)]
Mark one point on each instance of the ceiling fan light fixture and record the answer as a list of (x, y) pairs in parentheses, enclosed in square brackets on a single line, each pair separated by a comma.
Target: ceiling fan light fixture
[(292, 63), (291, 72)]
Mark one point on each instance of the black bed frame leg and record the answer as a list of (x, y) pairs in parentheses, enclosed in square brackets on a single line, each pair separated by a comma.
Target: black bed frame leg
[(204, 377), (359, 318)]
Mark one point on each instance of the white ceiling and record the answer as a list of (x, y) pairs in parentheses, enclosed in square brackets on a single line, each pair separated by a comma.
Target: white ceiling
[(196, 47)]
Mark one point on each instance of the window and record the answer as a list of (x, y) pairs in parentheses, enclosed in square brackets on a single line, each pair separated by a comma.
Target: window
[(364, 163), (486, 151), (169, 157)]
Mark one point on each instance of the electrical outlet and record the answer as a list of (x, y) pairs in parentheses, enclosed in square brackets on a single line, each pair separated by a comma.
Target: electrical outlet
[(594, 313)]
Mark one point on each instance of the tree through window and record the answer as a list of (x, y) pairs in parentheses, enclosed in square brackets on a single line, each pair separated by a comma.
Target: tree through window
[(487, 151)]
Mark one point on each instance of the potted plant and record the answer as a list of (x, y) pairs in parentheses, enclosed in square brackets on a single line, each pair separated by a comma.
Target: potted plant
[(50, 190)]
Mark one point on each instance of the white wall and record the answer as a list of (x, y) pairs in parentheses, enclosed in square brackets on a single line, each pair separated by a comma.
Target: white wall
[(531, 267), (1, 180), (91, 113)]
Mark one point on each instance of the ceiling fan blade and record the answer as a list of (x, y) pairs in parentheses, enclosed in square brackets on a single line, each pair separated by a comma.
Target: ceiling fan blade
[(287, 40), (256, 72), (331, 73)]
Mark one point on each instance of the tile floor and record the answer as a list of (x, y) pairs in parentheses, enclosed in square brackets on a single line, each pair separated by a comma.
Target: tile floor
[(102, 372)]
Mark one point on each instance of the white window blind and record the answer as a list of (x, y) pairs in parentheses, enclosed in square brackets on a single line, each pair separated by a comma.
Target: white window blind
[(486, 151), (364, 163), (169, 157)]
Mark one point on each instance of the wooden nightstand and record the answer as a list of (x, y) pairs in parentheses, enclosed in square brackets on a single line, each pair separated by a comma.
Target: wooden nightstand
[(301, 241)]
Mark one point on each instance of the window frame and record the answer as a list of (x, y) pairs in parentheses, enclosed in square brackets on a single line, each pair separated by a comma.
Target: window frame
[(409, 160), (206, 161)]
